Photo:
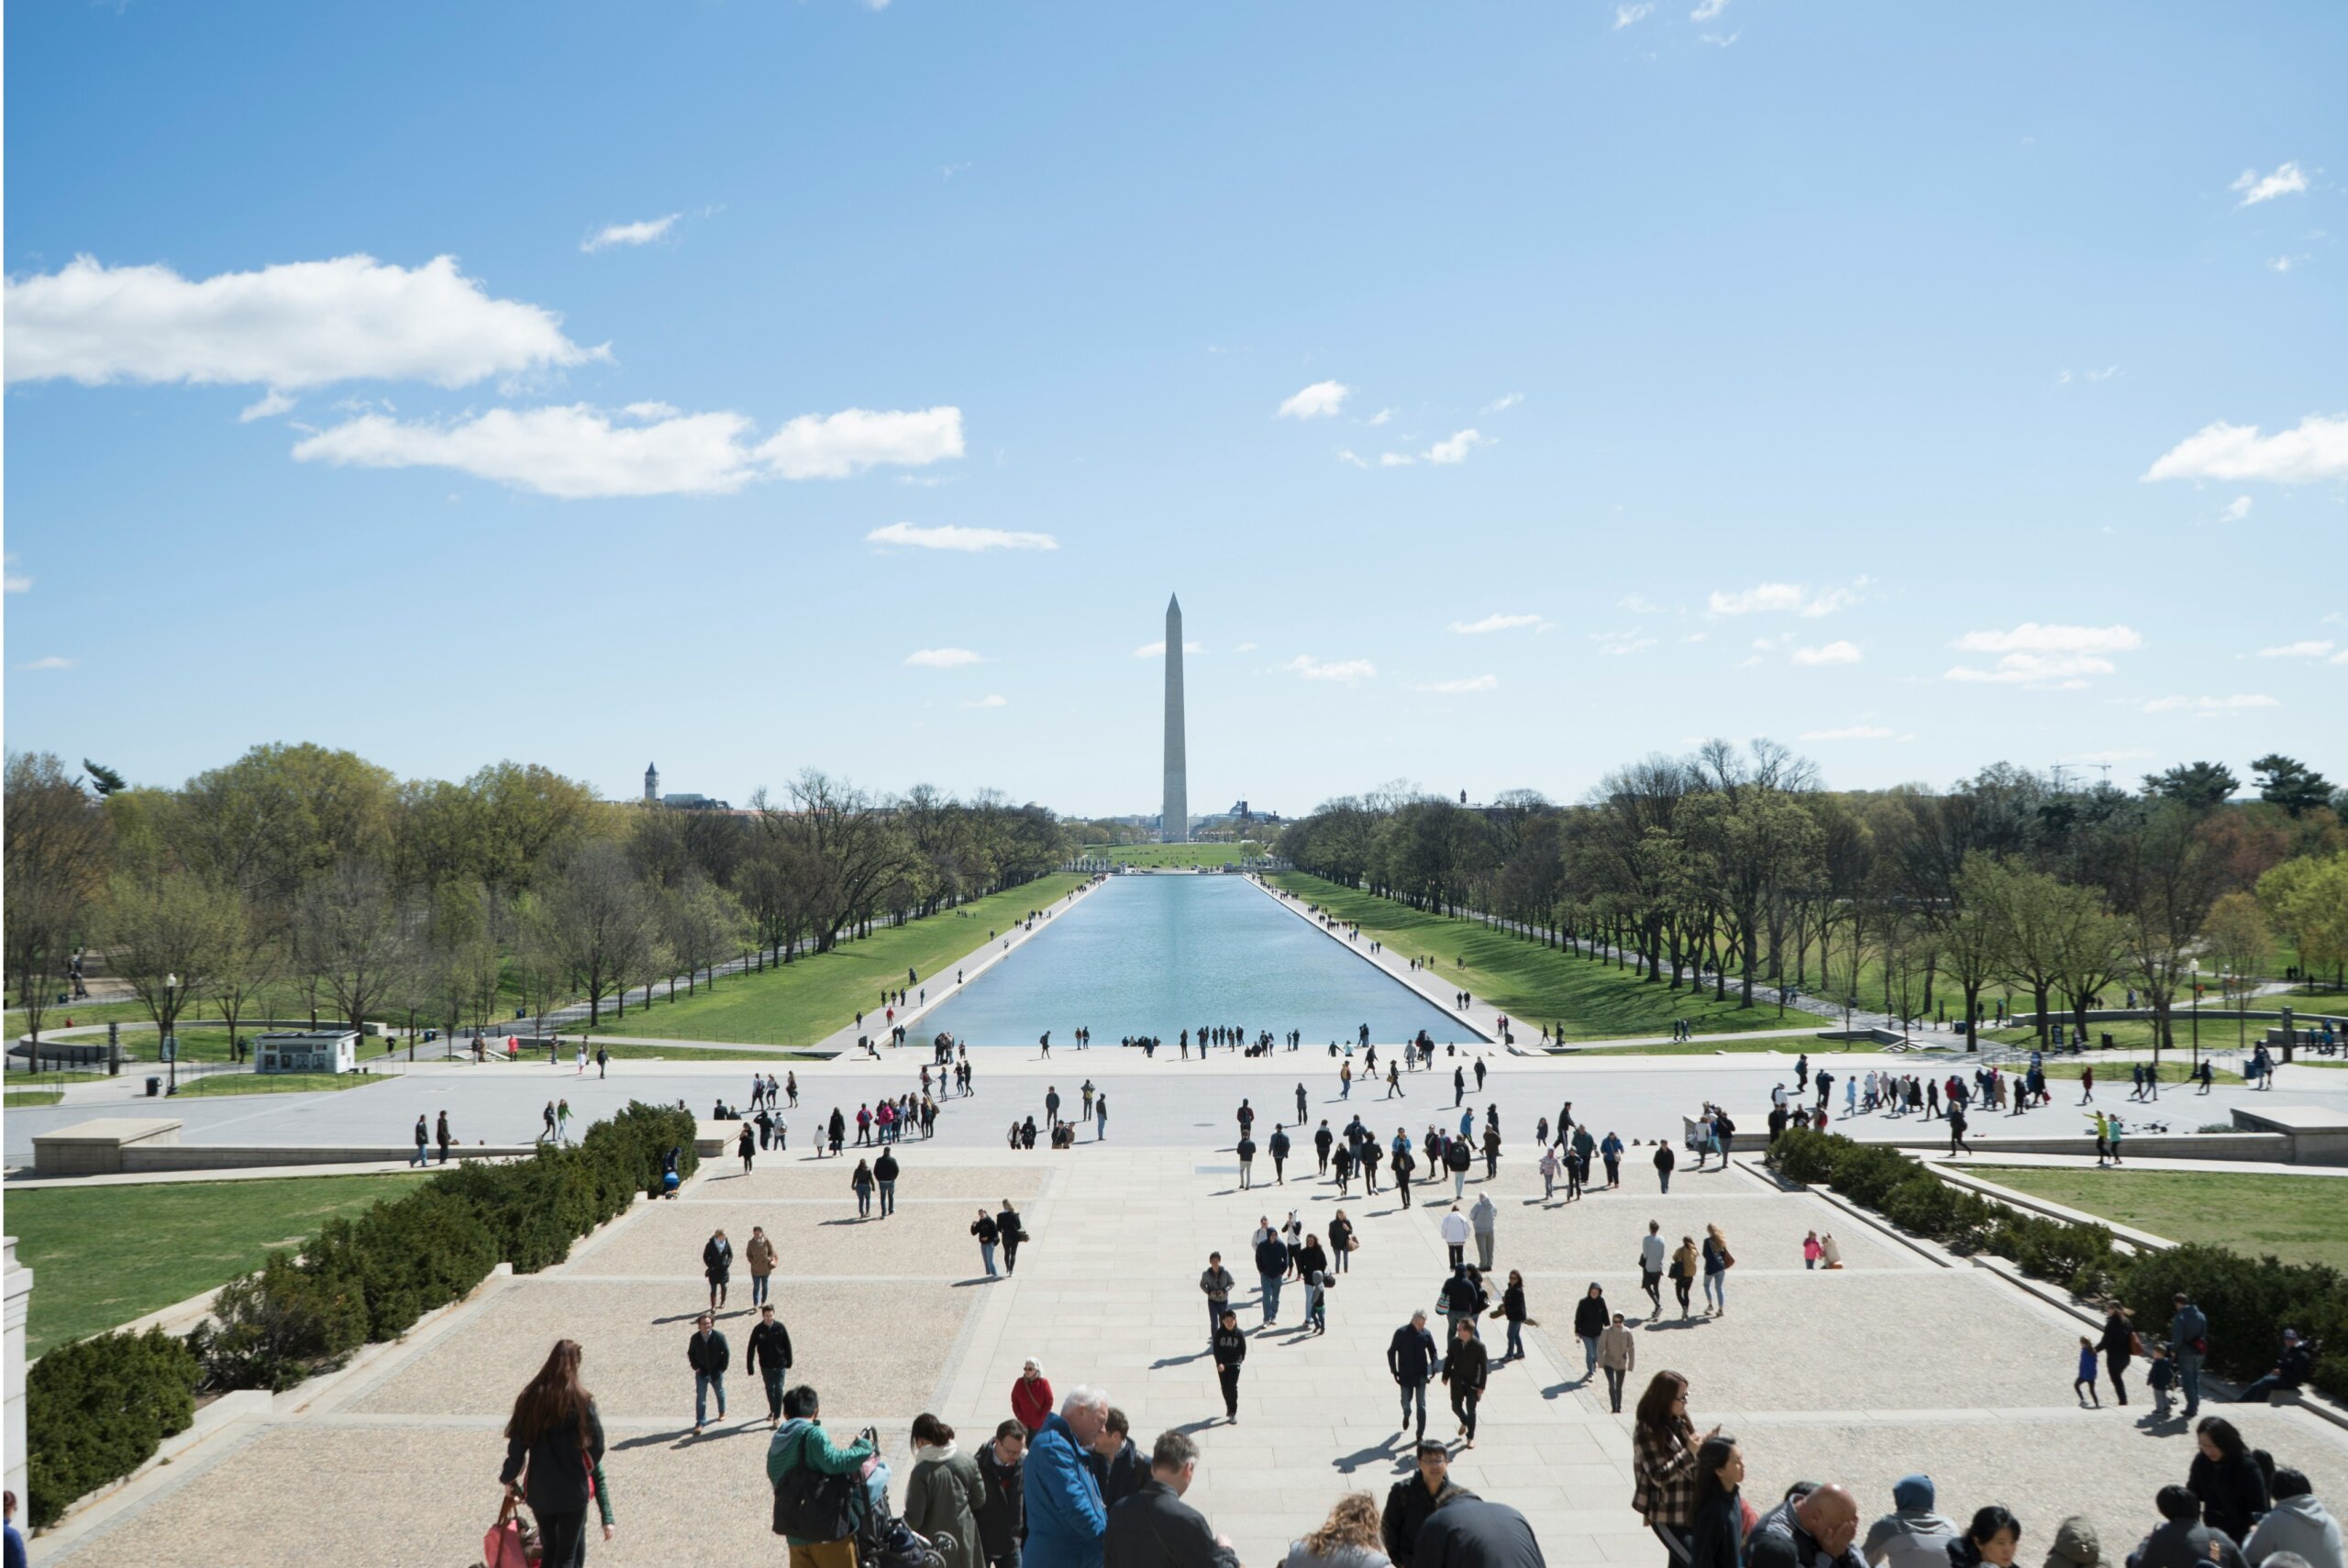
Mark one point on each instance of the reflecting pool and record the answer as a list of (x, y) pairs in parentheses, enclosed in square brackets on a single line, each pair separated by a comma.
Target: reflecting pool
[(1157, 954)]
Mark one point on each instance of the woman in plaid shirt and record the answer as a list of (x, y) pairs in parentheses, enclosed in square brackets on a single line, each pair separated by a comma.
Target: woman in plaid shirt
[(1663, 1457)]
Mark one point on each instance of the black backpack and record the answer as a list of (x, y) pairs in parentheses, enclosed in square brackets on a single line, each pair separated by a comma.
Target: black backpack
[(813, 1506)]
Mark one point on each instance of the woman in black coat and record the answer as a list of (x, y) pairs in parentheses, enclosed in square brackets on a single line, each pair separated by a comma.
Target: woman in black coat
[(2119, 1347), (1590, 1316), (1720, 1507), (554, 1443), (2232, 1486)]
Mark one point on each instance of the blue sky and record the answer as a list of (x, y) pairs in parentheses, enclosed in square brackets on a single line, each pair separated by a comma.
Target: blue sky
[(1919, 387)]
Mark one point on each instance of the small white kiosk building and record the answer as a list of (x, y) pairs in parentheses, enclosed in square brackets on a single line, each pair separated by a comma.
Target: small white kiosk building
[(308, 1051)]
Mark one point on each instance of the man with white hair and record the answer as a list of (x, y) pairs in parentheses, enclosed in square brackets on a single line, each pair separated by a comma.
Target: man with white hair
[(1065, 1520)]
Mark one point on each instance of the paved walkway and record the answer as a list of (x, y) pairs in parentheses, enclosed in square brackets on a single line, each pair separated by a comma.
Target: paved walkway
[(890, 1317)]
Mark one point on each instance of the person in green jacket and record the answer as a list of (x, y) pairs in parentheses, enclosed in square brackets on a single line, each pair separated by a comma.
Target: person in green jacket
[(944, 1494), (801, 1441)]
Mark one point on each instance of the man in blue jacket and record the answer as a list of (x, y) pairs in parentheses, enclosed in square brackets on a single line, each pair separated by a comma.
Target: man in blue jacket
[(1065, 1520), (1410, 1356)]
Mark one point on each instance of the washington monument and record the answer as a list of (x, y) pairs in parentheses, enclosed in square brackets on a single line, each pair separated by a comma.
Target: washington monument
[(1174, 824)]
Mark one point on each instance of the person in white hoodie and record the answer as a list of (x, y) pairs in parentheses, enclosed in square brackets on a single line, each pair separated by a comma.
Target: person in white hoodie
[(1454, 1235), (1911, 1535), (2296, 1523)]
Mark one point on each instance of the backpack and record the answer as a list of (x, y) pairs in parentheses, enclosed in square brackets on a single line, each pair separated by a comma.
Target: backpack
[(813, 1506)]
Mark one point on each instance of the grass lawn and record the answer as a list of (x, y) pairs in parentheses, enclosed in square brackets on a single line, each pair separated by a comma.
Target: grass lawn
[(16, 1098), (693, 1054), (2298, 1218), (1176, 854), (104, 1256), (803, 1001), (275, 1083), (1791, 1045), (1536, 985)]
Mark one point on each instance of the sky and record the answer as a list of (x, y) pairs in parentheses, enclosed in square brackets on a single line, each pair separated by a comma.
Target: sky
[(1508, 391)]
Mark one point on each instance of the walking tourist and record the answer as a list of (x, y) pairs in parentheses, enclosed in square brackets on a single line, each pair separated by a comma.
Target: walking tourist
[(983, 1228), (1216, 1281), (1414, 1500), (1618, 1354), (861, 1180), (1272, 1267), (944, 1494), (770, 1357), (1454, 1235), (1065, 1518), (709, 1356), (1411, 1358), (800, 1443), (1012, 1233), (1466, 1369), (1482, 1217), (761, 1253), (1512, 1310), (2120, 1345), (1591, 1318), (717, 1267), (1663, 1160), (1653, 1250), (1229, 1347), (440, 1135), (1342, 1241), (1718, 1260), (554, 1446), (884, 1175)]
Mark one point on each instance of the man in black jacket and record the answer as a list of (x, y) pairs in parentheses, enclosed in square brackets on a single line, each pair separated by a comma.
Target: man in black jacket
[(1473, 1533), (1412, 1500), (1464, 1369), (884, 1171), (1279, 1147), (1154, 1527), (1663, 1160), (1230, 1350), (1246, 1152), (1116, 1464), (770, 1359), (1322, 1140), (1003, 1518), (1272, 1267), (709, 1356), (1410, 1356)]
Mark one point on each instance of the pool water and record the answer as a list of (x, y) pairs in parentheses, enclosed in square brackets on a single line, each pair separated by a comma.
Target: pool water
[(1157, 954)]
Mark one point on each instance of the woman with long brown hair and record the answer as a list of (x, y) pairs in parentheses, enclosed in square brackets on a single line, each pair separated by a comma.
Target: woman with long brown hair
[(554, 1443), (1348, 1537), (1663, 1460)]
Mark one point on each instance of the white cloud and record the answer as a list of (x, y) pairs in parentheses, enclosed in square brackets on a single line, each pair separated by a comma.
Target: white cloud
[(271, 405), (1153, 650), (992, 700), (1721, 41), (1345, 455), (1383, 416), (834, 445), (1617, 645), (1318, 400), (1636, 11), (1828, 653), (1347, 671), (650, 410), (2065, 378), (2288, 179), (1494, 623), (2237, 509), (2313, 648), (2207, 704), (1848, 732), (2032, 637), (1455, 447), (54, 661), (2284, 263), (12, 580), (1503, 403), (1471, 683), (1394, 461), (2340, 658), (1244, 647), (942, 659), (2061, 673), (1638, 604), (1767, 598), (302, 324), (577, 452), (951, 537), (2318, 449), (643, 232), (1707, 10)]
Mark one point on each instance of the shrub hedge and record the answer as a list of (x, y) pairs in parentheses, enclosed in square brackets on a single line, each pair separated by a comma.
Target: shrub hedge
[(95, 1410), (2249, 1301), (98, 1408)]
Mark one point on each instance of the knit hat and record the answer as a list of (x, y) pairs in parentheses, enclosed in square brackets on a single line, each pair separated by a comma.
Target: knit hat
[(1913, 1492), (2076, 1544)]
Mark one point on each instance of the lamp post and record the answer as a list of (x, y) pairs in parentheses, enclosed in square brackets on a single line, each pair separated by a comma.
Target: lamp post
[(2196, 1016), (171, 1040)]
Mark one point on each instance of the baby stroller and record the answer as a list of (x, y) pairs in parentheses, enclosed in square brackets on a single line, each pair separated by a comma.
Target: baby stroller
[(885, 1541)]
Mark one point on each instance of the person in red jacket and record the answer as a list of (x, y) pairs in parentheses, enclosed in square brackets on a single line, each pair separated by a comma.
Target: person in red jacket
[(1031, 1397)]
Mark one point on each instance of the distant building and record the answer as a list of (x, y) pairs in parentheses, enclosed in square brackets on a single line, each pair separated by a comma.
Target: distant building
[(651, 785), (695, 803)]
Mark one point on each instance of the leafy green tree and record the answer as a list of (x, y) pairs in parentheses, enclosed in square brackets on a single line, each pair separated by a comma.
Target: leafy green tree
[(2201, 786), (2308, 900), (2287, 782), (56, 852), (103, 780), (169, 933)]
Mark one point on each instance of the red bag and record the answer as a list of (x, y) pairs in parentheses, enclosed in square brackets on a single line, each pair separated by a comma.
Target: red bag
[(504, 1546)]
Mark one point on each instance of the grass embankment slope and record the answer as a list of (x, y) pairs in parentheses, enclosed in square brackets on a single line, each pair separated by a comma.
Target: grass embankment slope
[(1176, 855), (1538, 985), (104, 1256), (2298, 1218), (803, 1001)]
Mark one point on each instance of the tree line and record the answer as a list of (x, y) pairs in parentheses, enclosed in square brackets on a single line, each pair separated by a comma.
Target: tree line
[(306, 873), (1738, 864)]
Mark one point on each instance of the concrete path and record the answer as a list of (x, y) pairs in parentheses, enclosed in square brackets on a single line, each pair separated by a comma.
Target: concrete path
[(892, 1317)]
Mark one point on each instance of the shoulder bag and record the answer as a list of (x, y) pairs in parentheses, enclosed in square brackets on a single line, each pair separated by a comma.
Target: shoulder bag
[(812, 1505)]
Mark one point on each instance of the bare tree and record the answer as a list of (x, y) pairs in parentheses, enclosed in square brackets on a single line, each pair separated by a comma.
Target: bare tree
[(170, 932), (350, 941), (56, 861), (595, 918)]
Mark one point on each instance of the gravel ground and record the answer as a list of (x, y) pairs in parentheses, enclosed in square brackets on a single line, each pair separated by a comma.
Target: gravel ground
[(1600, 1236), (794, 1175)]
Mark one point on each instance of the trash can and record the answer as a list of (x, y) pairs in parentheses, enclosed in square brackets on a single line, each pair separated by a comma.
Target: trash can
[(154, 1087)]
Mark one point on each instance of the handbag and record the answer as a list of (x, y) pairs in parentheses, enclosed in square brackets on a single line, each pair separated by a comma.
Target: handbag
[(2135, 1343), (813, 1506), (508, 1542)]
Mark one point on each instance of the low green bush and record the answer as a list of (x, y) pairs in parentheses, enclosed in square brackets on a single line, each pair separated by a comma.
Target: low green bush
[(95, 1410), (2249, 1301)]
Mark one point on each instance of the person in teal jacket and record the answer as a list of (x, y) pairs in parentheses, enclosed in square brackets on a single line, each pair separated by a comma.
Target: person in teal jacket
[(801, 1441), (1065, 1520)]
